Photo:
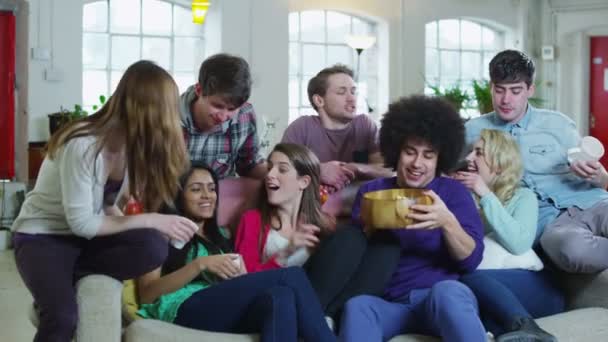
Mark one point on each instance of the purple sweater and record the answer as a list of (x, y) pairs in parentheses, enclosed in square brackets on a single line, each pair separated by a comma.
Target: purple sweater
[(425, 259)]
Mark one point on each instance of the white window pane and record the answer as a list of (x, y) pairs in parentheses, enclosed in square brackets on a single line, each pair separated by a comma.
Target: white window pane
[(294, 26), (115, 77), (470, 65), (304, 101), (182, 23), (313, 58), (95, 16), (487, 57), (94, 83), (95, 50), (450, 64), (489, 40), (125, 51), (339, 54), (449, 34), (187, 54), (338, 26), (449, 82), (431, 34), (294, 92), (369, 62), (470, 35), (361, 27), (157, 50), (184, 80), (294, 113), (312, 26), (294, 58), (307, 111), (372, 92), (156, 17), (362, 97), (431, 60), (124, 16)]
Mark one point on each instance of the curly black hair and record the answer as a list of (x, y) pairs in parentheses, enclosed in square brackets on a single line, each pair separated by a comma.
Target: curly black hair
[(512, 66), (419, 117)]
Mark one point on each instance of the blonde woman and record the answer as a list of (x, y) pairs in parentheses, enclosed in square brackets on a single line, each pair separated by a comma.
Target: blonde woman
[(70, 224), (509, 285)]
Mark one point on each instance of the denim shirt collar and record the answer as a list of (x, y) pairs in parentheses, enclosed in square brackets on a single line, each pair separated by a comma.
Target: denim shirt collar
[(523, 123)]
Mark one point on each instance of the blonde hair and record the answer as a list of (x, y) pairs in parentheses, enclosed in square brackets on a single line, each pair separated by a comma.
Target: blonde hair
[(144, 109), (502, 154)]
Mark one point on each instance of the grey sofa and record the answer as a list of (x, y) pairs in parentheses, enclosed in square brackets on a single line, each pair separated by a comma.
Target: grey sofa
[(99, 304)]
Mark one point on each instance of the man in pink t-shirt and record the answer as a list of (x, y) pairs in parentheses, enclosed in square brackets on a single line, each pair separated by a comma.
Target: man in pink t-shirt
[(345, 143)]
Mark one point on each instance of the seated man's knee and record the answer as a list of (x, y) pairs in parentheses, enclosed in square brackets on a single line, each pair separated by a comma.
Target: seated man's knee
[(448, 293), (567, 254), (361, 305)]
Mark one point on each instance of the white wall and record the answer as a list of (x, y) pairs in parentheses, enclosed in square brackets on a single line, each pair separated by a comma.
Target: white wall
[(55, 25), (568, 27)]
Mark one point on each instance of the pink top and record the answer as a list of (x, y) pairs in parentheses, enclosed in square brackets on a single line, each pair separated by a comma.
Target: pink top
[(247, 242)]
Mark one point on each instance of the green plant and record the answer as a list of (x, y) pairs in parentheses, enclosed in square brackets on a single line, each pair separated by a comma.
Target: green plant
[(483, 96), (454, 94), (63, 116)]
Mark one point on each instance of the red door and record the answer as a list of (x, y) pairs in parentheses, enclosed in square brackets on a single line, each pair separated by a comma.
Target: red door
[(7, 95), (598, 88)]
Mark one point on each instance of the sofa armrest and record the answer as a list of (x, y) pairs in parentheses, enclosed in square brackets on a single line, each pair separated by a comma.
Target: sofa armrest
[(99, 309), (585, 290)]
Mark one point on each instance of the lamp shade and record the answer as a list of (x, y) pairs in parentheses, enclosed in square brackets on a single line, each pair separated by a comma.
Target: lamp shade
[(199, 10), (361, 42)]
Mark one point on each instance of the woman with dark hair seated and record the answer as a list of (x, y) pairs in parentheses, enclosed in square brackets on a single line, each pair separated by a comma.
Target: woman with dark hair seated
[(421, 138), (204, 286)]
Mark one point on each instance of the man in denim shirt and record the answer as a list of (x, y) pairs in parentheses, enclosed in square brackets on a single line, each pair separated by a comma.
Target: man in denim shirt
[(573, 203)]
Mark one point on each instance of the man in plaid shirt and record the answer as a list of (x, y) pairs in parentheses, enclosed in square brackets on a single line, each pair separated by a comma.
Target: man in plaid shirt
[(219, 124)]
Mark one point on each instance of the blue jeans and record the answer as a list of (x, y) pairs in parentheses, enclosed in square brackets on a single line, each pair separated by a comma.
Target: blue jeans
[(448, 309), (279, 304), (504, 295)]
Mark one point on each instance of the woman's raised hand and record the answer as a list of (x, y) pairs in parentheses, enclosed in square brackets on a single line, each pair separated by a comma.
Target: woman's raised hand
[(473, 181), (306, 235), (175, 227)]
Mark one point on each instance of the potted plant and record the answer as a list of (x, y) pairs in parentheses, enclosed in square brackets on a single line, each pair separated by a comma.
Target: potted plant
[(58, 119), (454, 94), (483, 96)]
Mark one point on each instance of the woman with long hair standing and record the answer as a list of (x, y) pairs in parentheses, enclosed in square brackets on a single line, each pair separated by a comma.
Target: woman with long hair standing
[(70, 224)]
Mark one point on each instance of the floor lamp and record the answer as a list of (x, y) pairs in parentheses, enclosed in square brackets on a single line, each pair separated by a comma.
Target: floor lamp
[(360, 43)]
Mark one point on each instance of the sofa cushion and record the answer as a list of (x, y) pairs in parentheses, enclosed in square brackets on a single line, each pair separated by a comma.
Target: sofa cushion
[(150, 330), (585, 290)]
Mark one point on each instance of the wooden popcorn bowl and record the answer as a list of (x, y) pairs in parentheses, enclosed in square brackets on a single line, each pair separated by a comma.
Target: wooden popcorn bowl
[(387, 209)]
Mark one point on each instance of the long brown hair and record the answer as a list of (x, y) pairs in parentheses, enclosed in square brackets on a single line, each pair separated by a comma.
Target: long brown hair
[(306, 163), (145, 109)]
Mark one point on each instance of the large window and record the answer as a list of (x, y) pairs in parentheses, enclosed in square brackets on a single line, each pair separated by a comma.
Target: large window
[(317, 39), (117, 33), (458, 51)]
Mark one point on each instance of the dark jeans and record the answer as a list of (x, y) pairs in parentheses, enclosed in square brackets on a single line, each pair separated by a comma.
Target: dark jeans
[(504, 295), (347, 264), (279, 304), (50, 265)]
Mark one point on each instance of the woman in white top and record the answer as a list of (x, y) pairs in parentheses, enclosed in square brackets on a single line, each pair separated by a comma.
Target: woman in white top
[(71, 224)]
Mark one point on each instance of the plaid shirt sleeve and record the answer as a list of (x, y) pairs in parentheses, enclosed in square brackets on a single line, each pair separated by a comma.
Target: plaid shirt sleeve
[(249, 153)]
